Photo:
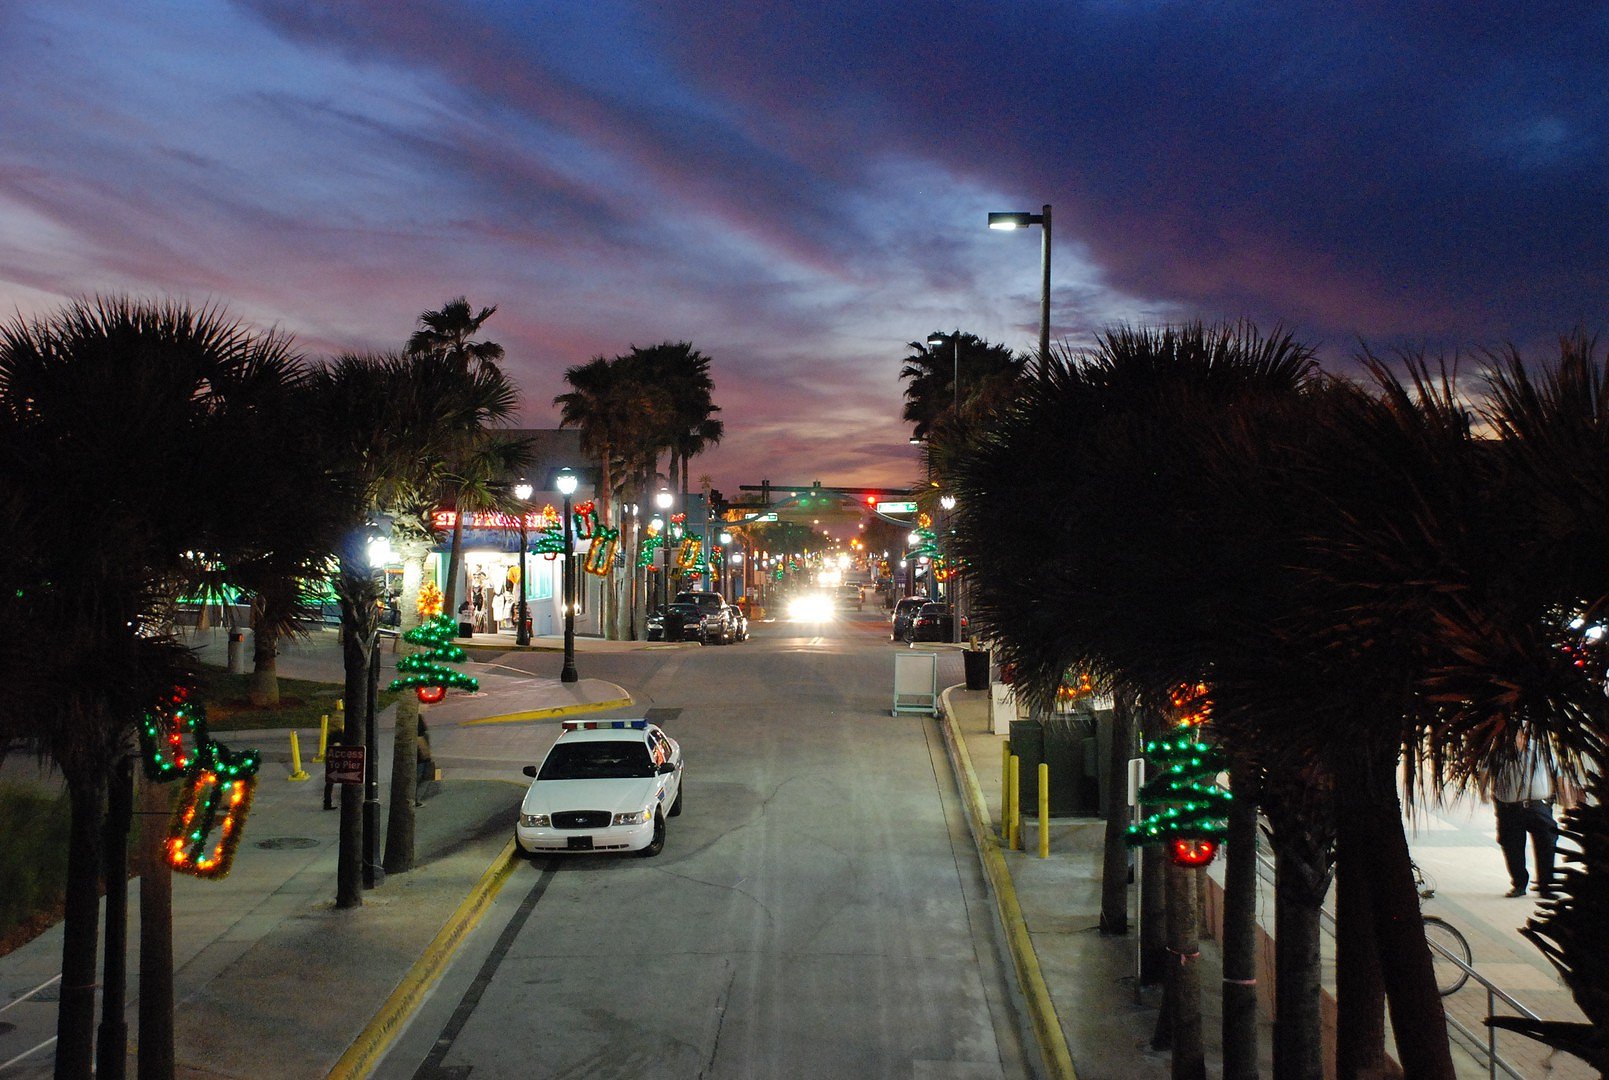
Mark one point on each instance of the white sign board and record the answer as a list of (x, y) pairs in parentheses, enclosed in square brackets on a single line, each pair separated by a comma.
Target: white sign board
[(916, 683), (1002, 708)]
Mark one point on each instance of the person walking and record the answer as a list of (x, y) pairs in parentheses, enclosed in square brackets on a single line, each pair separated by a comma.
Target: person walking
[(1523, 790)]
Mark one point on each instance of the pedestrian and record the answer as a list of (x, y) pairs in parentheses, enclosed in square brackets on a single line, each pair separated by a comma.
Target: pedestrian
[(329, 785), (424, 763), (1523, 790)]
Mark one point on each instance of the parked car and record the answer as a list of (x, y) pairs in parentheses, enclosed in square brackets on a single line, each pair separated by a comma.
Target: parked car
[(904, 611), (605, 785), (933, 622), (694, 624), (720, 618)]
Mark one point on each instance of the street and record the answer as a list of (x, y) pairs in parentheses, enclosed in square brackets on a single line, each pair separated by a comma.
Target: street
[(818, 909)]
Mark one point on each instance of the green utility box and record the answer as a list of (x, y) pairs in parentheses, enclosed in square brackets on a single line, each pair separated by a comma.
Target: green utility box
[(1070, 744)]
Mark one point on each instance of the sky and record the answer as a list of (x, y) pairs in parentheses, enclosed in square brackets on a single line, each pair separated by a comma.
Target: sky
[(800, 190)]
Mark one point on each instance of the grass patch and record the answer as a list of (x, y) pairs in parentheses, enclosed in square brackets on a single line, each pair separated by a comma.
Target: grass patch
[(33, 861), (301, 702)]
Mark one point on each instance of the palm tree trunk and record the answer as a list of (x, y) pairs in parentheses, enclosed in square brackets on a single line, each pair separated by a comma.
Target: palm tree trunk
[(399, 831), (1360, 998), (1240, 928), (1184, 973), (357, 640), (455, 562), (1153, 887), (156, 935), (1300, 881), (1117, 857), (1370, 825), (75, 1016), (263, 687)]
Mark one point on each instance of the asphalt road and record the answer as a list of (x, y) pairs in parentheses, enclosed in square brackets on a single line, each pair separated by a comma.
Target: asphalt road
[(817, 911)]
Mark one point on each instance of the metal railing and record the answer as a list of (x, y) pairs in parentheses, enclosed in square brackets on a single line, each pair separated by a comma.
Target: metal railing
[(1482, 1048)]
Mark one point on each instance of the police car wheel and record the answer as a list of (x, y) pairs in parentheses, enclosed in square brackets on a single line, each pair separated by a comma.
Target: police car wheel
[(676, 807), (657, 844)]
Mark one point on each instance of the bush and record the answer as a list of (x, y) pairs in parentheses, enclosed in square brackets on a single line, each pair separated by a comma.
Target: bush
[(33, 858)]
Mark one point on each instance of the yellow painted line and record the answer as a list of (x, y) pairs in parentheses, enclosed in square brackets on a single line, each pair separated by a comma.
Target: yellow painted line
[(549, 713), (1041, 1010), (376, 1038)]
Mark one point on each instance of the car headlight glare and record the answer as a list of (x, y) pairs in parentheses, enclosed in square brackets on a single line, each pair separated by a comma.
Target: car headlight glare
[(535, 821), (639, 818)]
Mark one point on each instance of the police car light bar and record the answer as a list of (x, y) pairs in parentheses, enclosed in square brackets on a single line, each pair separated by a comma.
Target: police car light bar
[(602, 725)]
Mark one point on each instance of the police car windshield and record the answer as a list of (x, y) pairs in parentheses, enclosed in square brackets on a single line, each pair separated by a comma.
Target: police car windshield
[(602, 760)]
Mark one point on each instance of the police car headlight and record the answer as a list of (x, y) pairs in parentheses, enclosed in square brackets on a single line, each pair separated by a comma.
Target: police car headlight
[(535, 821), (639, 818)]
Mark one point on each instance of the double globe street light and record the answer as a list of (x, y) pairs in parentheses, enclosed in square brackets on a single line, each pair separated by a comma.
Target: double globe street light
[(522, 627), (567, 483)]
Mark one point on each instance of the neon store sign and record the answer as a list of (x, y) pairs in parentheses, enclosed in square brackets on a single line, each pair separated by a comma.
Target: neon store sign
[(535, 521)]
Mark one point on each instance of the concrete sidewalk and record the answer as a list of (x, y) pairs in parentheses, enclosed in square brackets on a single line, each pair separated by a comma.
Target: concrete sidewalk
[(270, 979), (1087, 979)]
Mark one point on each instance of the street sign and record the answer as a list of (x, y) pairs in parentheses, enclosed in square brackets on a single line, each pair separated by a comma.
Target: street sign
[(760, 518), (344, 764), (896, 508)]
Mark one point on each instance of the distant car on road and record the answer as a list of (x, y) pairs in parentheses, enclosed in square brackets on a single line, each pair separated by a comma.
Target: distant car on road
[(605, 785), (848, 596), (933, 622), (720, 618), (899, 623), (688, 623)]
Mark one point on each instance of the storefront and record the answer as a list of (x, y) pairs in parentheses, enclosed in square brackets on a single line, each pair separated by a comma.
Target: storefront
[(490, 583)]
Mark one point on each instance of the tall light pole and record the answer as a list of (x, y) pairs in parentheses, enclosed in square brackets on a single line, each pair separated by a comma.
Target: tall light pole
[(522, 626), (952, 586), (1015, 220), (726, 564), (567, 484), (933, 342), (663, 500)]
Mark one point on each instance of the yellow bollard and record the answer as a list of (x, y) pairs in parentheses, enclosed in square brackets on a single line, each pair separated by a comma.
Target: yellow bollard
[(296, 761), (1005, 791), (323, 737), (1044, 810), (1015, 842)]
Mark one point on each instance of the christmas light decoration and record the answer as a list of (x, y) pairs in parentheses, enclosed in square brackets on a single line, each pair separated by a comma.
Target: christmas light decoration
[(217, 795), (601, 552), (162, 734), (1186, 809), (427, 673), (548, 542), (646, 549), (586, 520), (688, 555), (430, 601)]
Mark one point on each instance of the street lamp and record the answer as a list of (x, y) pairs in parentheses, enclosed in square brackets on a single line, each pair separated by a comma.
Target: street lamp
[(951, 586), (726, 571), (567, 483), (1022, 221), (663, 500), (522, 628)]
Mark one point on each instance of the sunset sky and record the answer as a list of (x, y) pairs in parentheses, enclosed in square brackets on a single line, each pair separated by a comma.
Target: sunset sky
[(801, 189)]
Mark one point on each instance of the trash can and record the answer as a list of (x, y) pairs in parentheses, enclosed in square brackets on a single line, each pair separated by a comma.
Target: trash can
[(237, 652), (977, 668), (466, 629)]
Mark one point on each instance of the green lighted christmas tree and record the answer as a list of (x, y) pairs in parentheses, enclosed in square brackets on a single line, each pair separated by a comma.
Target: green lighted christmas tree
[(1185, 808), (427, 673)]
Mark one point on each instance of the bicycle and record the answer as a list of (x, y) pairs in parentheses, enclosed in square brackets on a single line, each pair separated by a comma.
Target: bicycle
[(1450, 978)]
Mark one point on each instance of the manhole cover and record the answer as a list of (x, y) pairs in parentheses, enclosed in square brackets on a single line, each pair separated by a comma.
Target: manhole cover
[(287, 843)]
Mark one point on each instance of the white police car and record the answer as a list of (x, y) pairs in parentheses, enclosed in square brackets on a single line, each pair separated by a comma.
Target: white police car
[(606, 785)]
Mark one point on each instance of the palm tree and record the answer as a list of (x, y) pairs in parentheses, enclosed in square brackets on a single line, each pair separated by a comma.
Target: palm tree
[(987, 372), (449, 334), (146, 406)]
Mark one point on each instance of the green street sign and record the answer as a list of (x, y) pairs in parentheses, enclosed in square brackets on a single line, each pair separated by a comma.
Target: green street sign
[(896, 508)]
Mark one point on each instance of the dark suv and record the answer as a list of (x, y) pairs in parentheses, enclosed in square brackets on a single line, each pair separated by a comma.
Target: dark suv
[(721, 618), (904, 611)]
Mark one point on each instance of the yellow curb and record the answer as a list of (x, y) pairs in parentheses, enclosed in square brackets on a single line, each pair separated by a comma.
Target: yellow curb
[(1041, 1010), (376, 1038), (549, 713)]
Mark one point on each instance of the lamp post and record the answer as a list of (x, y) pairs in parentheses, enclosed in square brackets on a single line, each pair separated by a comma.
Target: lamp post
[(933, 342), (656, 525), (726, 570), (952, 586), (663, 500), (522, 627), (1022, 221), (567, 485)]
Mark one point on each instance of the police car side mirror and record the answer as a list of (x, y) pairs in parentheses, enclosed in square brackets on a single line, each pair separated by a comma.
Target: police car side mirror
[(666, 767), (529, 770)]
